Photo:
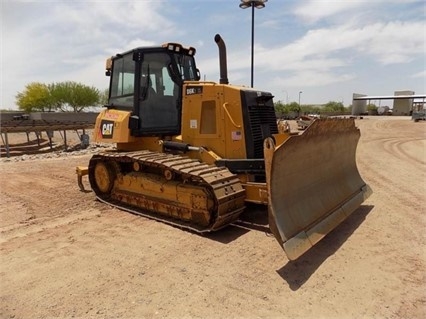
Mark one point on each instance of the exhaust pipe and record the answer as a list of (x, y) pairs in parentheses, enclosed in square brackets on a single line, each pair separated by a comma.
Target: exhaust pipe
[(222, 59)]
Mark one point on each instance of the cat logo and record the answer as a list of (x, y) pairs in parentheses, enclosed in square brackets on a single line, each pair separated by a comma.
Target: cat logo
[(107, 129)]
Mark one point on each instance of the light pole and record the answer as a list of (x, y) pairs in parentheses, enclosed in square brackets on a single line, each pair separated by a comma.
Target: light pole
[(300, 92), (258, 4), (286, 96)]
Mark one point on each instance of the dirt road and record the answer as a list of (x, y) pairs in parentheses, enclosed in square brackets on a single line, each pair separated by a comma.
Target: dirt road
[(65, 255)]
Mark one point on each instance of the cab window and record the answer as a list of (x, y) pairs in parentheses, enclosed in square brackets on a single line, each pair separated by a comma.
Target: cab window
[(122, 81)]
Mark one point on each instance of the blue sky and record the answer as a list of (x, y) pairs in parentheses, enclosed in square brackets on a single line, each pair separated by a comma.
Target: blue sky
[(326, 49)]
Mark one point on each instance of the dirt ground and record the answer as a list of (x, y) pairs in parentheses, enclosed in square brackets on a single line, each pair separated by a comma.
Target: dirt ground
[(64, 254)]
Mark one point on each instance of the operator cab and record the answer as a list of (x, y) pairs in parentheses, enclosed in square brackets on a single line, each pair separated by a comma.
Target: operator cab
[(148, 83)]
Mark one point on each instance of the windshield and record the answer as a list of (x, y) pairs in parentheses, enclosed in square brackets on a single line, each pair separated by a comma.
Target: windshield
[(163, 71), (122, 81), (186, 67)]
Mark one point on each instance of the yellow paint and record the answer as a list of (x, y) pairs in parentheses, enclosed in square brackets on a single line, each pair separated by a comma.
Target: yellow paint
[(227, 116)]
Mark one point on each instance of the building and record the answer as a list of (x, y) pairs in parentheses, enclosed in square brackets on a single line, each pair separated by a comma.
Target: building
[(358, 106), (404, 102), (402, 106)]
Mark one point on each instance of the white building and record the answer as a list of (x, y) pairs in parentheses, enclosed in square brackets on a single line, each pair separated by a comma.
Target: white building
[(402, 106)]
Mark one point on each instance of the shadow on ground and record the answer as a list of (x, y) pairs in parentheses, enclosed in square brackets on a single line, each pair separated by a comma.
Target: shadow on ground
[(255, 217), (297, 272)]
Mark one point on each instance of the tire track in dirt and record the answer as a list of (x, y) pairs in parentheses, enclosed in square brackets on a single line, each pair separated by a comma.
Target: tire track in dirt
[(38, 191), (43, 224), (394, 147), (385, 181), (396, 178), (393, 171)]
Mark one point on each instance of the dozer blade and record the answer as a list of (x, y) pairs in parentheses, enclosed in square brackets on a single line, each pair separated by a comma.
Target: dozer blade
[(313, 183)]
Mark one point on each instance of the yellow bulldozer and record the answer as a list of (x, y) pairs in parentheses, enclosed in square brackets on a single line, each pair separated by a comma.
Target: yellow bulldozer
[(196, 154)]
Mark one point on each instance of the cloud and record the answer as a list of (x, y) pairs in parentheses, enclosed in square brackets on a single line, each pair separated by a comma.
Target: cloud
[(55, 41), (74, 30), (297, 44), (309, 78), (394, 42), (326, 55), (318, 57), (315, 10), (421, 74), (312, 11)]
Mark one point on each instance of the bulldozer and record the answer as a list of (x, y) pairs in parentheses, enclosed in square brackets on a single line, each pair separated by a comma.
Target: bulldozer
[(197, 154)]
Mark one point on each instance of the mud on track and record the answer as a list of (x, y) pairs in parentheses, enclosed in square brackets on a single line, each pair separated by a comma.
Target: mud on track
[(65, 255)]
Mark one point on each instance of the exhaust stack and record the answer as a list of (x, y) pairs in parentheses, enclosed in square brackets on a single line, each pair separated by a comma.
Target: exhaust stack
[(222, 59)]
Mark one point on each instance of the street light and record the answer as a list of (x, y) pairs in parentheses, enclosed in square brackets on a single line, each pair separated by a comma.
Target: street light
[(286, 96), (300, 92), (258, 4)]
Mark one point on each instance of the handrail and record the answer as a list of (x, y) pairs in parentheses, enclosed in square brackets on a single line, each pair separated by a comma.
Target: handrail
[(229, 115)]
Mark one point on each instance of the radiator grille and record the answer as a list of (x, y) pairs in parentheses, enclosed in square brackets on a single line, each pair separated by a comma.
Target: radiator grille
[(263, 124)]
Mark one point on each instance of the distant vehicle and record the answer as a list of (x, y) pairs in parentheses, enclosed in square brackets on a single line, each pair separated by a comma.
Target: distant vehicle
[(419, 116), (315, 116)]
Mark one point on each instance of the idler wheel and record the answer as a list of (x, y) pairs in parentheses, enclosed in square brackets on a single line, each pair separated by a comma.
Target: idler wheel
[(104, 177)]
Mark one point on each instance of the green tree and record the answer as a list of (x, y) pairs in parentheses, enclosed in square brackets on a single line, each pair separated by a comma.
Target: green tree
[(372, 109), (75, 96), (310, 109), (103, 97), (35, 97), (58, 93), (293, 107), (279, 107), (64, 96), (333, 106)]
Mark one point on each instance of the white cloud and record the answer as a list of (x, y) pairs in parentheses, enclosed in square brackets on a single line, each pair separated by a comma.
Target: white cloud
[(51, 41), (380, 40), (320, 54), (55, 41), (309, 78), (394, 42), (421, 74), (312, 11)]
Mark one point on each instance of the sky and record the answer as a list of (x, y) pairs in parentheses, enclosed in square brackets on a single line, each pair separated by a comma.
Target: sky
[(325, 49)]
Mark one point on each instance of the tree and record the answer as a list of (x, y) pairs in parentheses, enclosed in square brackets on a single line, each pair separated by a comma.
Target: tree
[(333, 106), (58, 94), (291, 110), (310, 109), (74, 95), (279, 107), (293, 107), (35, 97), (64, 96), (103, 97), (372, 109)]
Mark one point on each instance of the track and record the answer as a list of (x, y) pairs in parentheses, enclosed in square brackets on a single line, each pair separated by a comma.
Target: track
[(216, 196)]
